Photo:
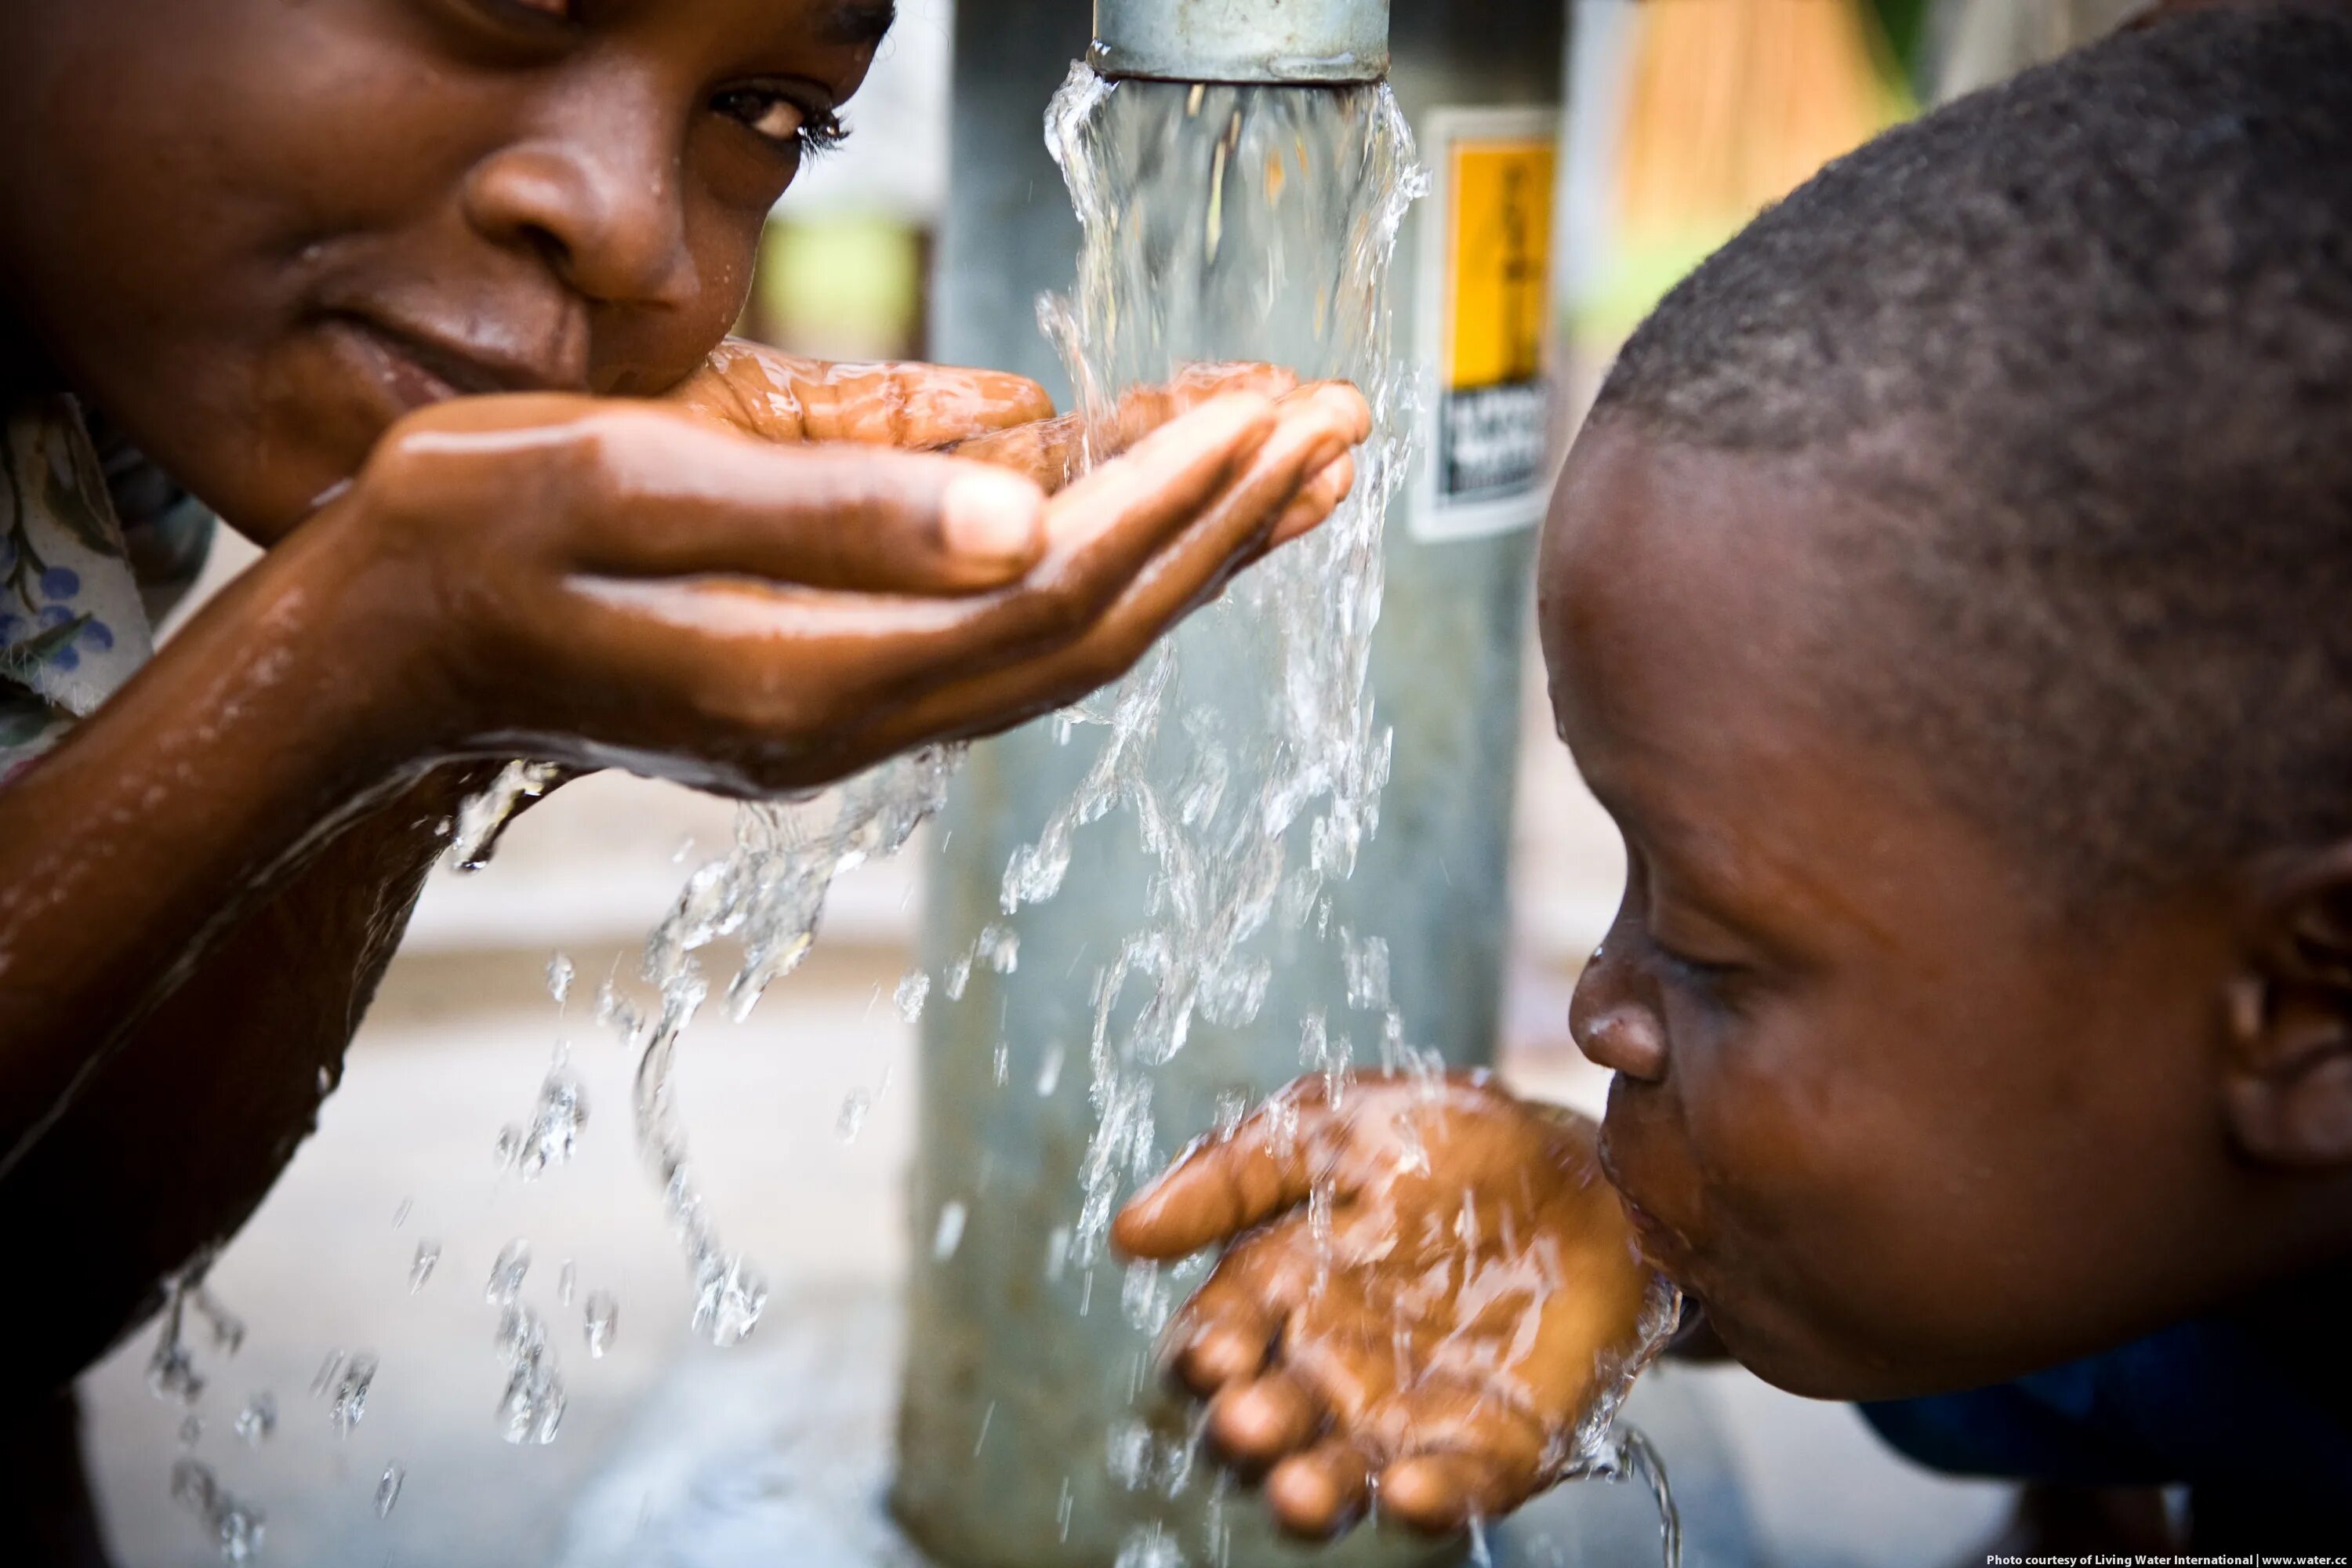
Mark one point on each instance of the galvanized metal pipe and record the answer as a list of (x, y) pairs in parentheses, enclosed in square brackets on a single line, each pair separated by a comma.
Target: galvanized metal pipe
[(1242, 40)]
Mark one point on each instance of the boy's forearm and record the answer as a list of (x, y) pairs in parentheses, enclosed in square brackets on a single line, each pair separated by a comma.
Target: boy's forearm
[(277, 715)]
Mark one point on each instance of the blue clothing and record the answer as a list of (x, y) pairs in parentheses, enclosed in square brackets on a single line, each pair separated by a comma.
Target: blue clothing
[(2252, 1410)]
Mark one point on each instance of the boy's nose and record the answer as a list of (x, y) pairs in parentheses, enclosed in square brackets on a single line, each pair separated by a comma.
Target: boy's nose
[(601, 204), (1613, 1024)]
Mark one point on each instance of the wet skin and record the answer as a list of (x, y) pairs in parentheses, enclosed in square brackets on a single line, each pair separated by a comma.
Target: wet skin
[(1478, 1286), (428, 297), (1903, 1110)]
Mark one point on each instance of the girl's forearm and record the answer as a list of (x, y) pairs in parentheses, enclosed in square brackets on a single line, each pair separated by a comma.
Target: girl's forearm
[(284, 708)]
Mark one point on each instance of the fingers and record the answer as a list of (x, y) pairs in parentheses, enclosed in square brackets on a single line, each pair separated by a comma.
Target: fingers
[(1223, 1187), (775, 396), (1226, 1331), (657, 495), (1458, 1451), (1258, 1422), (1213, 544), (1438, 1494), (1320, 1493), (755, 654), (1053, 452), (924, 407)]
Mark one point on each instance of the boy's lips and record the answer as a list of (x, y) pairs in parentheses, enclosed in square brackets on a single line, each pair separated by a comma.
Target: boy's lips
[(1668, 1250)]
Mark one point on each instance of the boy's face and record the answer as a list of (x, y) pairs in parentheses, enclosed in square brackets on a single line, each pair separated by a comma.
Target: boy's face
[(257, 233), (1899, 1124)]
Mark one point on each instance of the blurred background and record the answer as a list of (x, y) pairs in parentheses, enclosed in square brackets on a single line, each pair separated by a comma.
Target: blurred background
[(1682, 118)]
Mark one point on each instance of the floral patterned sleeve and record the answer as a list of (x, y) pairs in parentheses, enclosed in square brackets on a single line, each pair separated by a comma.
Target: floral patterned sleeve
[(93, 549)]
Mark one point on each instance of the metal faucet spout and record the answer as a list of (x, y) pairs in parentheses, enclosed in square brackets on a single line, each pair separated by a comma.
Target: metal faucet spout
[(1326, 41)]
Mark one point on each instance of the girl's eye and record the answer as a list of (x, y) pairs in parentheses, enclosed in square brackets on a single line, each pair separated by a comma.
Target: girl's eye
[(792, 127)]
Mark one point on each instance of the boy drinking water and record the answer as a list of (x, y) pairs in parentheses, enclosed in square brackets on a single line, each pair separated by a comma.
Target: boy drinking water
[(1951, 600)]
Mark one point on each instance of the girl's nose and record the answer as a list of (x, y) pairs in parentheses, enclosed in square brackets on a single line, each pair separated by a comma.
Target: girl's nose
[(1614, 1020), (599, 199)]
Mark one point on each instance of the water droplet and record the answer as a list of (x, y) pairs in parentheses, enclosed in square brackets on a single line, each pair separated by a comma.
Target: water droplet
[(191, 1432), (256, 1421), (559, 978), (1149, 1546), (567, 1281), (227, 1328), (854, 1112), (1049, 1072), (239, 1526), (348, 1406), (325, 1377), (959, 979), (508, 1148), (235, 1527), (420, 1269), (914, 990), (1001, 1065), (1058, 1253), (602, 1318), (507, 1274), (387, 1490), (400, 1215), (556, 1123), (172, 1373), (999, 947), (949, 1234), (729, 1299)]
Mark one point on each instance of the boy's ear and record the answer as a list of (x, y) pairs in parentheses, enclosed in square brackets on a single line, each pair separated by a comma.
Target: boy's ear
[(2288, 1082)]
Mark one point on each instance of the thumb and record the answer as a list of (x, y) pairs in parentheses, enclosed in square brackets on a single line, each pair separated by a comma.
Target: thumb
[(1224, 1185)]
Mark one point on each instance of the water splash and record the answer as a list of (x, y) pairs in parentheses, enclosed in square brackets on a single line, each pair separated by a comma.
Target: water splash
[(1602, 1448), (531, 1409), (387, 1490), (256, 1422), (600, 1321), (507, 1272), (483, 820), (346, 1406), (769, 894), (235, 1527), (553, 1135)]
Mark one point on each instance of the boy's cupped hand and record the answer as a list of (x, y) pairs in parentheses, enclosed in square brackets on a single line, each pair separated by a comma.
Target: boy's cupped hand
[(779, 574), (1428, 1286)]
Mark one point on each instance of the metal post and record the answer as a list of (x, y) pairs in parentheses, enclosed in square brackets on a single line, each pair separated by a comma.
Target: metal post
[(1011, 1395)]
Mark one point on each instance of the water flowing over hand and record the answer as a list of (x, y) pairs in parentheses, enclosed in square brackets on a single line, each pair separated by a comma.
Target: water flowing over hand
[(701, 589), (984, 415), (1432, 1287)]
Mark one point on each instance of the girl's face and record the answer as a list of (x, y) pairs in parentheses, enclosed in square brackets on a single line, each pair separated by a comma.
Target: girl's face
[(258, 232)]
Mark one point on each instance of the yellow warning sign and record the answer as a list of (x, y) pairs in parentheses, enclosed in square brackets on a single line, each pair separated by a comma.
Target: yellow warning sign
[(1499, 262), (1488, 315)]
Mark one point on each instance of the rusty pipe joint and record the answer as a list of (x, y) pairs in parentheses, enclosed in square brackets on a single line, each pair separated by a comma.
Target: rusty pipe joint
[(1326, 41)]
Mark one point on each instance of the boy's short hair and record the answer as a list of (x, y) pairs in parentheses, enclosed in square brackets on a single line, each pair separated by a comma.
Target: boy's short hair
[(2083, 345)]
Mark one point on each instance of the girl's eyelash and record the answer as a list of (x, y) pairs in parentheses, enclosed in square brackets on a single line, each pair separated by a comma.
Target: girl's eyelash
[(821, 133)]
